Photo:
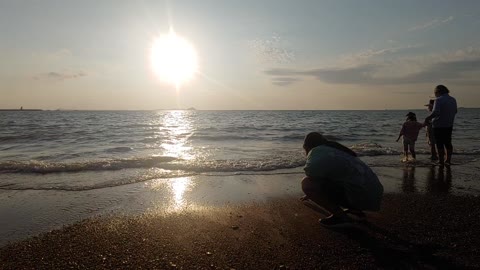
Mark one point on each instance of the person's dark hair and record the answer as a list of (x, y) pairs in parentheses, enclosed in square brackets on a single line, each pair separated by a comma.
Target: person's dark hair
[(412, 117), (314, 139), (442, 89)]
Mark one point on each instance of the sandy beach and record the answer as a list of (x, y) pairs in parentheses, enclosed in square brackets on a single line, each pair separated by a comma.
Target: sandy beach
[(412, 231)]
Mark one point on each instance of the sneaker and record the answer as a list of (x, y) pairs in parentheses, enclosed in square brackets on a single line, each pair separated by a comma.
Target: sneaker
[(336, 221), (357, 213)]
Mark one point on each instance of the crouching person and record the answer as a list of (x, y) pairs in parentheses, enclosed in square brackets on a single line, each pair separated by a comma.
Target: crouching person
[(337, 180)]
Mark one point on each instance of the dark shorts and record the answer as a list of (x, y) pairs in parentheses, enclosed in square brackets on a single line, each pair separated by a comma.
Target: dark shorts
[(443, 136)]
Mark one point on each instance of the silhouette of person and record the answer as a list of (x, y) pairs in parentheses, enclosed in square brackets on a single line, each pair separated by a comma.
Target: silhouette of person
[(442, 116)]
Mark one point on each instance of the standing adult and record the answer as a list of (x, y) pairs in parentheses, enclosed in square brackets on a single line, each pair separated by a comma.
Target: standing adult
[(443, 116)]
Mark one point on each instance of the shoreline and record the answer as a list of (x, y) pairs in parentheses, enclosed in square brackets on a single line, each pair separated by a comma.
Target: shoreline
[(29, 212), (410, 231)]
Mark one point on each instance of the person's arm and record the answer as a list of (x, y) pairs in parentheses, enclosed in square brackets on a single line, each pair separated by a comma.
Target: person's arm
[(401, 132), (317, 165), (435, 112)]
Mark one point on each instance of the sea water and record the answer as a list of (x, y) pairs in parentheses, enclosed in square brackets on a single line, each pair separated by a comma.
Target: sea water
[(59, 167), (80, 150)]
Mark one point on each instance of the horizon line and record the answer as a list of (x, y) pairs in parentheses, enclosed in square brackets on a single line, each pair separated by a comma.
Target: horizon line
[(173, 109)]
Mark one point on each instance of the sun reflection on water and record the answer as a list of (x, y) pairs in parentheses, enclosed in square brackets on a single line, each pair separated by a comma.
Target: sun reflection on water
[(175, 130), (178, 128), (176, 189)]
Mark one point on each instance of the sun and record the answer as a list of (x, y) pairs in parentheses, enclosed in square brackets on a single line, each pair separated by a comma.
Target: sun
[(173, 59)]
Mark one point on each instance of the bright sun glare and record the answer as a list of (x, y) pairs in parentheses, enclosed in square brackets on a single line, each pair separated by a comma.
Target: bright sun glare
[(173, 59)]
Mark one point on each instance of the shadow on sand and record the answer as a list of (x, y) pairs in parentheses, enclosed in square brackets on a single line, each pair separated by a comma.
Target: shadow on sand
[(392, 252)]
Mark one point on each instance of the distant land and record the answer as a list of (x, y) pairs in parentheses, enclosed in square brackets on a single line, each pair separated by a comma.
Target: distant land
[(21, 109)]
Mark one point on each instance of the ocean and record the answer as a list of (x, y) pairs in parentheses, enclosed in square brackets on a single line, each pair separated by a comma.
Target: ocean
[(59, 167), (135, 146)]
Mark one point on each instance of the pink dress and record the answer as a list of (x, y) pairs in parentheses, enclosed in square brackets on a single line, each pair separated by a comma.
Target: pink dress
[(410, 130)]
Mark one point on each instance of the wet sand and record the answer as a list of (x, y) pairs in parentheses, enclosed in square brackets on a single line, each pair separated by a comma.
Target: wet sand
[(412, 231)]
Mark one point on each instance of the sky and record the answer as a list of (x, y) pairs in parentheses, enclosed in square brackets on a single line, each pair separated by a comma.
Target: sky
[(252, 55)]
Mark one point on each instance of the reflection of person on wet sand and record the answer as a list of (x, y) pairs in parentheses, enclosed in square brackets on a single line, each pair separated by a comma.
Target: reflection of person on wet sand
[(441, 182), (408, 180)]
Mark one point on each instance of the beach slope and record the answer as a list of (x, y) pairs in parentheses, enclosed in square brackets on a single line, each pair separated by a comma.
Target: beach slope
[(411, 231)]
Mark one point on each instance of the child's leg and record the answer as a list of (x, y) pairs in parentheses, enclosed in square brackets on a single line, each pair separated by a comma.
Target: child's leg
[(412, 150), (405, 149)]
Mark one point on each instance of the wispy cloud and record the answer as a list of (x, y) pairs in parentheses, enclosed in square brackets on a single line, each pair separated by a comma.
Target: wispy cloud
[(284, 81), (271, 50), (365, 56), (432, 24), (59, 76)]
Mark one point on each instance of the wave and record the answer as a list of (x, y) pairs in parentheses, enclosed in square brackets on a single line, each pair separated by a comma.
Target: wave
[(44, 167), (162, 162), (373, 149), (261, 162), (121, 149), (14, 138)]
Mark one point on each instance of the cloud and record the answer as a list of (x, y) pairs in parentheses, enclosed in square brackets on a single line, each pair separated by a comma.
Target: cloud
[(371, 74), (450, 70), (432, 24), (391, 68), (364, 56), (271, 50), (353, 75), (284, 81), (60, 76)]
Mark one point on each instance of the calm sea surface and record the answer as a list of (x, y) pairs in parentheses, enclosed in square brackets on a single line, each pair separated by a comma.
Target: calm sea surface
[(72, 148)]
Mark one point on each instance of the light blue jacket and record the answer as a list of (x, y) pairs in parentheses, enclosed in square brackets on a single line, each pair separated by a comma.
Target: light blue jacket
[(362, 188), (444, 110)]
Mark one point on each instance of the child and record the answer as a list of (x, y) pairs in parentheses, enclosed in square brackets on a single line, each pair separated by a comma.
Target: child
[(409, 131), (429, 133)]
